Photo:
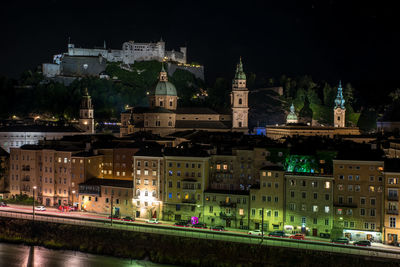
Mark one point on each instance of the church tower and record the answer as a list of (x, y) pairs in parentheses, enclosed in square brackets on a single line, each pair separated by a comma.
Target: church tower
[(339, 111), (86, 114), (239, 100)]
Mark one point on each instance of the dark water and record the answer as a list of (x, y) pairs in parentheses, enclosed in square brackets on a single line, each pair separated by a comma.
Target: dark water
[(19, 255)]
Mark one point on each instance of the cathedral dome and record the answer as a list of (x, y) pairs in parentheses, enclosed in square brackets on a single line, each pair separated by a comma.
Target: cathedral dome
[(292, 117), (164, 88)]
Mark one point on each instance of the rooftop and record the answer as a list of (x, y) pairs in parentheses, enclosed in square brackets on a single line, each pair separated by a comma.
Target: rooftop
[(39, 128)]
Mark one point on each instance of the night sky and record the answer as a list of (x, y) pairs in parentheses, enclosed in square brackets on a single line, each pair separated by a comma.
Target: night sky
[(330, 40)]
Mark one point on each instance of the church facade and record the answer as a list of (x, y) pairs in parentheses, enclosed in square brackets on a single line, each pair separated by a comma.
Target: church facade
[(293, 128), (163, 116)]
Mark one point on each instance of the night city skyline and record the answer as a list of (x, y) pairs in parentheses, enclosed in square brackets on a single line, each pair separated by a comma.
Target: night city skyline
[(328, 40), (172, 133)]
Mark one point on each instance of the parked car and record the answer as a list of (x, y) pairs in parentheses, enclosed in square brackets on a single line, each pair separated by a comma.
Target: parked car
[(341, 240), (128, 219), (297, 237), (217, 228), (40, 208), (114, 217), (181, 223), (199, 225), (277, 234), (255, 232), (363, 243), (152, 220), (3, 204)]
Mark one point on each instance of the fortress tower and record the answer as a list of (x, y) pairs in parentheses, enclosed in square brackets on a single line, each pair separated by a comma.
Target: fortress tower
[(86, 114), (339, 111), (239, 100)]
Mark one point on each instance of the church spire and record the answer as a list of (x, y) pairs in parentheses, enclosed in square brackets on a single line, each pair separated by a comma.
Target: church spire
[(240, 75), (163, 77), (339, 101)]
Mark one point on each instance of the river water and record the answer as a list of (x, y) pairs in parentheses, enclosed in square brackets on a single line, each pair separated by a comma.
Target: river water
[(12, 255)]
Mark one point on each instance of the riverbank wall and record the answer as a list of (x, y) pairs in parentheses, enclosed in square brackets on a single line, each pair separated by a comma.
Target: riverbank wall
[(168, 249)]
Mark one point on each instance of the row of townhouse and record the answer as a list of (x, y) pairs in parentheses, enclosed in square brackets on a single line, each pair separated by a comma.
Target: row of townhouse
[(242, 189)]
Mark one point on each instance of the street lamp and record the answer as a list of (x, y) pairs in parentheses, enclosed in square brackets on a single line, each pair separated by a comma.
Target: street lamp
[(73, 193), (33, 204)]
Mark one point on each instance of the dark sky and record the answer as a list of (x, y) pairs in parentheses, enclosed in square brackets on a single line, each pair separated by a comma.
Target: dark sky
[(328, 39)]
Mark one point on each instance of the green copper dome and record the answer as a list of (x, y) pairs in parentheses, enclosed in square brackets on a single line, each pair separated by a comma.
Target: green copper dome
[(291, 117), (164, 88), (240, 75)]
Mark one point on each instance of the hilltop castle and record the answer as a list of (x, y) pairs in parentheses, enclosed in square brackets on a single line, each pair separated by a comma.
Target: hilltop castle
[(163, 116)]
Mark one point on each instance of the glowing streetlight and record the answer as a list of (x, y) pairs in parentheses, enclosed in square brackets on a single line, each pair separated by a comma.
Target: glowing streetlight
[(33, 204), (73, 193)]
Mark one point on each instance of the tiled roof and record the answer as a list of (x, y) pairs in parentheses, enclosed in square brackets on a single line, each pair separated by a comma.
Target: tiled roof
[(198, 124)]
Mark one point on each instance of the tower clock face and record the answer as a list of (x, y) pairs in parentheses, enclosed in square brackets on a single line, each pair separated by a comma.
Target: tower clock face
[(240, 115)]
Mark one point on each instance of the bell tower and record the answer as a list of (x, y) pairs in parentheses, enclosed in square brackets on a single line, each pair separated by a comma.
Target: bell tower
[(239, 100), (339, 111), (86, 114)]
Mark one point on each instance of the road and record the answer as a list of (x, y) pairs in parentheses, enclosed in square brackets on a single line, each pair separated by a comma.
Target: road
[(166, 228)]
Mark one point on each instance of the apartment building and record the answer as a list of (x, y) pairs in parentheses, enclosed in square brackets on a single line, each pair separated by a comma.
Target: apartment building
[(358, 196), (391, 229), (267, 200), (226, 208), (148, 178), (309, 208), (186, 177), (107, 196)]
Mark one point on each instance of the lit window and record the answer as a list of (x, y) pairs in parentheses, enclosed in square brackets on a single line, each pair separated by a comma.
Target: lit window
[(315, 208), (327, 185), (138, 172), (326, 209)]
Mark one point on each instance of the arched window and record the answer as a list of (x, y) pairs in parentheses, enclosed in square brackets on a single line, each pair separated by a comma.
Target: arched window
[(240, 101), (138, 192), (170, 123), (170, 103), (146, 193), (153, 193), (240, 124)]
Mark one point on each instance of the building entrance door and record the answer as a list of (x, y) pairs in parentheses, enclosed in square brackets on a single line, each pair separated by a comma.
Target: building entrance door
[(47, 201), (137, 214), (257, 226), (228, 223), (315, 232)]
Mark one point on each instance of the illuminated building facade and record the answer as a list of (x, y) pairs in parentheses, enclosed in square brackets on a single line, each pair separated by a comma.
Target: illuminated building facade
[(148, 178), (267, 200), (186, 177), (391, 230), (358, 196), (102, 195), (308, 203), (226, 208)]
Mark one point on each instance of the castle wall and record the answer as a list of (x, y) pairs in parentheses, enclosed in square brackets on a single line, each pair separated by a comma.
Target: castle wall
[(51, 69), (197, 71)]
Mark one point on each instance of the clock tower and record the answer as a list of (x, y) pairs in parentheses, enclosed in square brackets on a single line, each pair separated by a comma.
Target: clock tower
[(86, 114), (339, 111), (239, 100)]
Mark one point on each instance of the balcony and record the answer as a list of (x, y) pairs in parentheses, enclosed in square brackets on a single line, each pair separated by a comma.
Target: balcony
[(225, 216), (189, 200), (392, 212), (345, 205), (227, 204), (26, 179), (393, 197)]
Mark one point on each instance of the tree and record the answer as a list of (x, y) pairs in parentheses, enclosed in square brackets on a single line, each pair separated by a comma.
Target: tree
[(306, 113)]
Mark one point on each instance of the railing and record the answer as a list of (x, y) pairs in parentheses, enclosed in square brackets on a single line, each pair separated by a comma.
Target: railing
[(392, 212), (227, 204), (223, 215), (347, 205), (206, 234), (393, 197), (190, 200)]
